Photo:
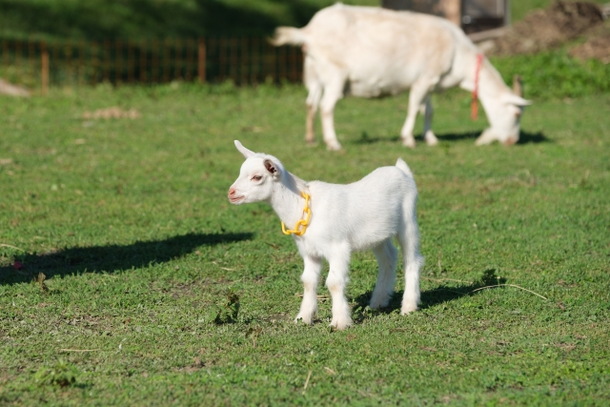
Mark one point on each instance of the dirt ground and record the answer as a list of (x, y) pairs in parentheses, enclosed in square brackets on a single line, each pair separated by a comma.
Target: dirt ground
[(596, 46), (7, 88), (551, 27)]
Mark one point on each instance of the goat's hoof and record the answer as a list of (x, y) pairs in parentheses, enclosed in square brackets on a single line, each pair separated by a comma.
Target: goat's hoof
[(430, 138), (510, 141), (485, 138), (409, 143), (340, 325), (302, 319), (432, 142), (379, 304), (406, 310), (332, 146)]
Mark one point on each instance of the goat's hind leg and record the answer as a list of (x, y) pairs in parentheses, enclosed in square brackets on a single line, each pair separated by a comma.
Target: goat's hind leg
[(310, 276), (413, 260), (315, 90), (386, 255), (313, 101)]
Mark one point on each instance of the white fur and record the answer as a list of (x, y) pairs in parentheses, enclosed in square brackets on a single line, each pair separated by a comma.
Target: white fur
[(372, 52), (365, 214)]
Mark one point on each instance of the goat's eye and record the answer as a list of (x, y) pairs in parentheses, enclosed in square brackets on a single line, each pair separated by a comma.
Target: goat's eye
[(256, 178)]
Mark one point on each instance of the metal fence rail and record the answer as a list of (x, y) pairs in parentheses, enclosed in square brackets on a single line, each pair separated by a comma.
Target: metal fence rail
[(243, 60)]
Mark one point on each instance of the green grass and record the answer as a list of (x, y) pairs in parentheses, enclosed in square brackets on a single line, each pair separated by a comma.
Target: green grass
[(555, 74), (145, 260)]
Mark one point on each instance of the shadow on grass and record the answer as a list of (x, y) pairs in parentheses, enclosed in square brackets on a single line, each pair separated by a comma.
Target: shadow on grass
[(441, 294), (524, 138), (527, 137), (111, 258)]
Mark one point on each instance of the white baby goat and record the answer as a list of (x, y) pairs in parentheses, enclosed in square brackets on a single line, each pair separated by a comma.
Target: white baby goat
[(331, 221)]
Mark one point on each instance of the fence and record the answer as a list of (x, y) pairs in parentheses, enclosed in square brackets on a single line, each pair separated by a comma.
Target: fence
[(244, 60)]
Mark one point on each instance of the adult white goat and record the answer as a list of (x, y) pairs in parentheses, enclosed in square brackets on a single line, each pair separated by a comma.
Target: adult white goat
[(373, 52), (331, 221)]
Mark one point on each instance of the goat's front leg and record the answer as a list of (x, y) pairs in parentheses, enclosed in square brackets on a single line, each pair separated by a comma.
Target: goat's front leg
[(429, 135), (336, 282), (310, 276), (417, 96)]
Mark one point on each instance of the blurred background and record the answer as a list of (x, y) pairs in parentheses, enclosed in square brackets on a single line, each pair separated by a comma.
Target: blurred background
[(74, 43)]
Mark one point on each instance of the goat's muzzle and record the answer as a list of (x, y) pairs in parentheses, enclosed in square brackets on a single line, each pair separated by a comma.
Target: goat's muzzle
[(234, 198)]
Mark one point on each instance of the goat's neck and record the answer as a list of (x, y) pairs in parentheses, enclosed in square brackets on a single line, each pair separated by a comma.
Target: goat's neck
[(491, 85), (491, 90), (286, 199)]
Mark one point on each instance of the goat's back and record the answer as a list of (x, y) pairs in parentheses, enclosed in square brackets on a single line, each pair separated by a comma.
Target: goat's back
[(382, 52), (364, 212)]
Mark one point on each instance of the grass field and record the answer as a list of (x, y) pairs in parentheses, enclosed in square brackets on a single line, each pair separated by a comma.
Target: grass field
[(157, 291)]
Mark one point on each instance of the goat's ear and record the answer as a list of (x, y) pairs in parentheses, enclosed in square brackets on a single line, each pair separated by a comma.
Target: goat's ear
[(245, 152), (272, 167), (515, 100)]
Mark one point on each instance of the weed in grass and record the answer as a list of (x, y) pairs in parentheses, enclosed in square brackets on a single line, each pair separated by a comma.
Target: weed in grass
[(226, 313), (60, 374)]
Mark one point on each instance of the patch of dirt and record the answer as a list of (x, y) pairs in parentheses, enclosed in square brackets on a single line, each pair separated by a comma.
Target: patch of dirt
[(544, 29), (112, 113), (7, 88), (596, 46)]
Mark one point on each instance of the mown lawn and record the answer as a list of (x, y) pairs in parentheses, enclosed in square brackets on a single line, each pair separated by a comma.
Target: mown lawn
[(157, 291)]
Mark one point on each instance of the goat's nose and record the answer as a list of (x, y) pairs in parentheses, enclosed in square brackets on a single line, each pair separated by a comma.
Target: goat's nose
[(231, 191)]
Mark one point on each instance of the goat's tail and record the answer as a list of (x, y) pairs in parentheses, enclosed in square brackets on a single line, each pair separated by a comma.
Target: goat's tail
[(287, 35), (404, 167)]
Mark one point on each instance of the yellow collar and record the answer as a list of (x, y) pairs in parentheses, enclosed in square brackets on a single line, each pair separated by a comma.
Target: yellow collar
[(301, 226)]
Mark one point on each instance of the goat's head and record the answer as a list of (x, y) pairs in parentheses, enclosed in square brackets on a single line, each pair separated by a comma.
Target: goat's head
[(504, 114), (257, 177)]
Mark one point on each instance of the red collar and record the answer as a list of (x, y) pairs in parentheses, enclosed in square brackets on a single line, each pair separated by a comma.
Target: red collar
[(474, 106)]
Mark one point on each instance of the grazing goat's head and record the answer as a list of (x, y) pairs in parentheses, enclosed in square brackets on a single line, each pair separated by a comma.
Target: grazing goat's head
[(504, 114), (256, 177)]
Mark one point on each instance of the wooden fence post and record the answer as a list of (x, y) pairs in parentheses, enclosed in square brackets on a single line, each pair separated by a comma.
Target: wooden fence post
[(44, 68), (201, 61)]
